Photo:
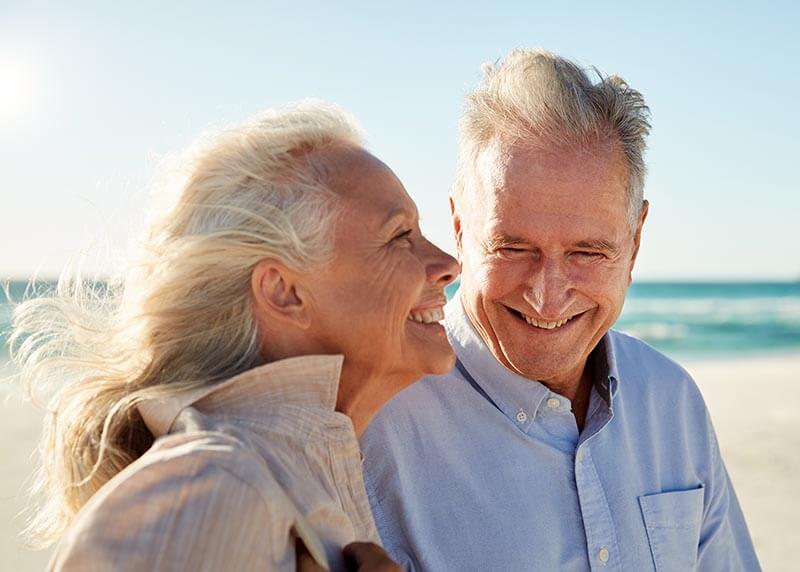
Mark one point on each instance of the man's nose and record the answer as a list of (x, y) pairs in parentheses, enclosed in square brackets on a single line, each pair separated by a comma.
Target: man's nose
[(441, 268), (549, 290)]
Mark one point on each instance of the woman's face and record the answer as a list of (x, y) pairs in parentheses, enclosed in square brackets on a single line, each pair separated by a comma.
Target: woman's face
[(381, 298)]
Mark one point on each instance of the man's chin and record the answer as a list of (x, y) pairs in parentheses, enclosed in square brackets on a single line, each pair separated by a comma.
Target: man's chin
[(543, 366)]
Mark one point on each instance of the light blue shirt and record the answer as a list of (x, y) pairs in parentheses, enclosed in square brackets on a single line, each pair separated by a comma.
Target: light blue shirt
[(488, 471)]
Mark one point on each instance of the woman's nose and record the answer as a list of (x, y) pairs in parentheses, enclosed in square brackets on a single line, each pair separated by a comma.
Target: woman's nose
[(441, 268)]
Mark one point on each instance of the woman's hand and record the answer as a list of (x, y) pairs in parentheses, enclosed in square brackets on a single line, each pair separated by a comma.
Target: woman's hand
[(305, 563), (360, 557), (369, 557)]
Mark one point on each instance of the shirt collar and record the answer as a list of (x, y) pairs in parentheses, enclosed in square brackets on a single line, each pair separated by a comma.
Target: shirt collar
[(518, 397), (311, 381), (606, 369)]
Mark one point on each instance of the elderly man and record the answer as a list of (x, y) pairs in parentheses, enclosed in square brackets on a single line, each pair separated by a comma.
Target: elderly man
[(555, 443)]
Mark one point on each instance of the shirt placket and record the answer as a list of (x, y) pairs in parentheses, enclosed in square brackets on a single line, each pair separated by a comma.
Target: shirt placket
[(346, 463), (601, 538)]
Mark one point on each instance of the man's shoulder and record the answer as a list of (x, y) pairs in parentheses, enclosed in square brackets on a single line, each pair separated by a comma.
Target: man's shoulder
[(419, 420), (637, 358), (426, 397), (645, 370)]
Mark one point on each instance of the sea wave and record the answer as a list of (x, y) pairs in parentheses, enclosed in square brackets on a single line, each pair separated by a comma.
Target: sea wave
[(657, 332), (787, 308)]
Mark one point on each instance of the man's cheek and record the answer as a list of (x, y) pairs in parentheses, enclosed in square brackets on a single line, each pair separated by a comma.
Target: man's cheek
[(503, 277)]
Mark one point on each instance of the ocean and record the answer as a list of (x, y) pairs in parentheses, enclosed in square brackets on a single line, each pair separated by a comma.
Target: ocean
[(714, 319), (682, 319)]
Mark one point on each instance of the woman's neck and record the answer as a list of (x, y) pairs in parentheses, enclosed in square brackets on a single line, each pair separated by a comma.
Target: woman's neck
[(362, 394)]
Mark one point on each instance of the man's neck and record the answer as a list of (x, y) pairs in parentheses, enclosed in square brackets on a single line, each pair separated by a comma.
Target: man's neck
[(580, 400), (577, 391)]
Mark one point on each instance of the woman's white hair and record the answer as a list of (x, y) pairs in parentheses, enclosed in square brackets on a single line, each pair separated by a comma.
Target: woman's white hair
[(536, 98), (181, 316)]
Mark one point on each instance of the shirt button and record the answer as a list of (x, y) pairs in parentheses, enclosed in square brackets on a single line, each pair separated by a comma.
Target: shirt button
[(603, 555), (553, 403), (581, 454), (522, 417)]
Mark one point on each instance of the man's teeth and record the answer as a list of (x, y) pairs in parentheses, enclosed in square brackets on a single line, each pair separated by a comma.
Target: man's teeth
[(427, 316), (546, 325)]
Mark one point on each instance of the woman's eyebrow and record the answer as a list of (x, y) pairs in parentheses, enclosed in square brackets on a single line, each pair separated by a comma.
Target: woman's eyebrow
[(396, 216)]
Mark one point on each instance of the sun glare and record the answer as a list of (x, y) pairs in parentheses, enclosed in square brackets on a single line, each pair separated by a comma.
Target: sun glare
[(16, 88)]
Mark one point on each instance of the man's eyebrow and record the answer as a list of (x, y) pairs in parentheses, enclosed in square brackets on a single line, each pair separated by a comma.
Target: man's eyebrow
[(598, 244), (503, 240)]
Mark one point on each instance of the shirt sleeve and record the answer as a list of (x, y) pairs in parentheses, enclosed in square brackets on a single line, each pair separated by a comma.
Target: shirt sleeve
[(725, 543), (184, 510)]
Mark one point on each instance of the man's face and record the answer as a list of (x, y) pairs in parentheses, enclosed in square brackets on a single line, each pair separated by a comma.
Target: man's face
[(547, 251)]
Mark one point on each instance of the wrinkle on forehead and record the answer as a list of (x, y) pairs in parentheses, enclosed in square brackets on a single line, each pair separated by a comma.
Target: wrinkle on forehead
[(508, 171), (356, 175), (573, 192), (370, 197), (491, 166), (343, 165)]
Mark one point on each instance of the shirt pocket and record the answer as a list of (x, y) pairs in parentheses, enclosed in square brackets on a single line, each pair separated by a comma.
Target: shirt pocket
[(673, 522)]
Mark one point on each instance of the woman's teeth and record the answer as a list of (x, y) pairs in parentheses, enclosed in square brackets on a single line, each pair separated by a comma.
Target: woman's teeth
[(546, 325), (427, 316)]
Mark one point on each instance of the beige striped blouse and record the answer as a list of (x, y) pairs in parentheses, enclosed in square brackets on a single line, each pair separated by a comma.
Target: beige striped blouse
[(237, 473)]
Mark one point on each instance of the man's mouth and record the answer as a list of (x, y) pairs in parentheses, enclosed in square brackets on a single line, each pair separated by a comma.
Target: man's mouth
[(546, 324)]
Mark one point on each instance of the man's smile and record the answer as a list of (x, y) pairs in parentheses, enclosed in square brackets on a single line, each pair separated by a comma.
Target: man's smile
[(545, 325)]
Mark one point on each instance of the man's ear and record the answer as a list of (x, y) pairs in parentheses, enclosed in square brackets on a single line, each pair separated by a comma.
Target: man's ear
[(279, 294), (456, 218), (637, 237)]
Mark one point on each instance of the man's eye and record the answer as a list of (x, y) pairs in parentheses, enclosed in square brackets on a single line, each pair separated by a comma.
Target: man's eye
[(511, 251), (587, 255)]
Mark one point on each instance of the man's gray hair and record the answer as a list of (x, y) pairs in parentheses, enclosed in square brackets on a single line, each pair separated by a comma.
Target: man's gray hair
[(539, 99)]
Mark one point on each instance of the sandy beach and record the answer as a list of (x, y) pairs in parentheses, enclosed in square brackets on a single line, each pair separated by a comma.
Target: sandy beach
[(20, 424), (755, 407), (754, 402)]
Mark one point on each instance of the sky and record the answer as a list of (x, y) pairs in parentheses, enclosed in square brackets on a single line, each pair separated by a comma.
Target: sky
[(94, 94)]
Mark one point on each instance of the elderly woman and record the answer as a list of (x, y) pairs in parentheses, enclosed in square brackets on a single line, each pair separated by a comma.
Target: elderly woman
[(208, 409)]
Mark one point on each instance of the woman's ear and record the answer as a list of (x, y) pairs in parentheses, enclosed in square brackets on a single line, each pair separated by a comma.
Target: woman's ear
[(279, 295)]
